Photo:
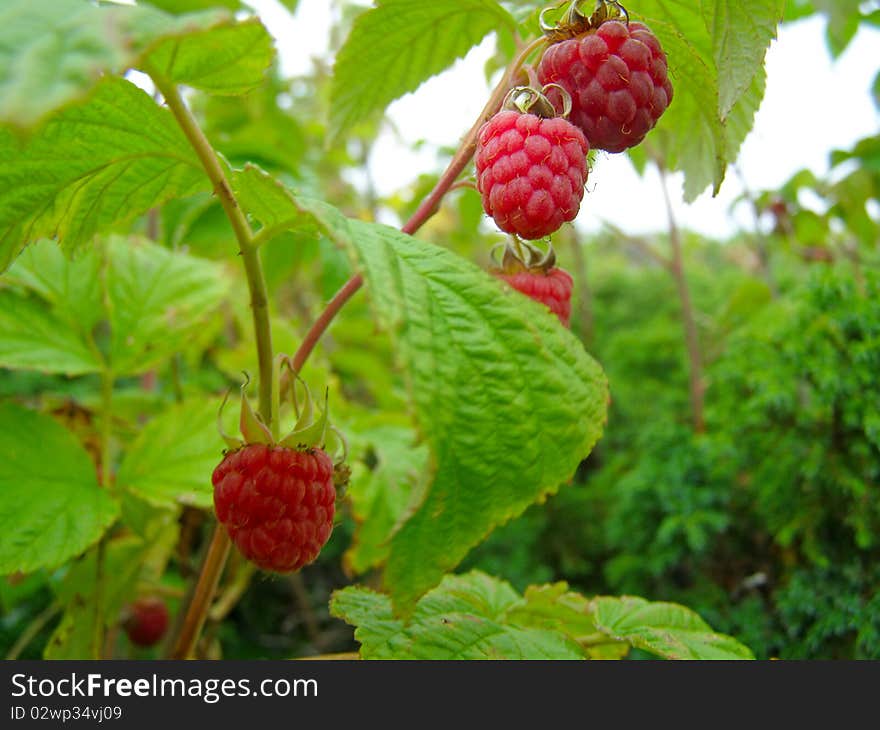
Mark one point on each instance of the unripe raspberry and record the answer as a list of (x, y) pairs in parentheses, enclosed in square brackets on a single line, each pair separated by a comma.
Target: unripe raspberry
[(617, 78), (146, 621), (530, 172), (277, 504)]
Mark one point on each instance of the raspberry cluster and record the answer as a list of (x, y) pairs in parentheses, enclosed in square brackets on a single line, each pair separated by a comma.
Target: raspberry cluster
[(277, 503), (146, 621)]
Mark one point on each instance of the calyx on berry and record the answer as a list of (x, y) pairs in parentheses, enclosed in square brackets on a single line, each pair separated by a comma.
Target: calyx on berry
[(309, 432), (573, 21), (518, 256)]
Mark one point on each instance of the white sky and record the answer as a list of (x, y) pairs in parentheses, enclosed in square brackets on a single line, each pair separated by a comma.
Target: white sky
[(811, 107)]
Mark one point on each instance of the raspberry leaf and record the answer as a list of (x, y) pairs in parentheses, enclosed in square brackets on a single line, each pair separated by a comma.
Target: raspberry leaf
[(664, 629), (508, 401), (167, 463), (463, 618), (122, 155), (52, 507), (475, 616), (157, 303), (399, 44), (57, 50)]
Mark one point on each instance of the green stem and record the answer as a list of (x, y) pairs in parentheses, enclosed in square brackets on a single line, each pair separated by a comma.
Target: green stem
[(243, 234), (197, 609)]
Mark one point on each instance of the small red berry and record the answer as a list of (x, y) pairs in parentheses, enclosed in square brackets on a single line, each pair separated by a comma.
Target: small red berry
[(277, 504), (552, 289), (531, 172), (618, 81), (147, 621)]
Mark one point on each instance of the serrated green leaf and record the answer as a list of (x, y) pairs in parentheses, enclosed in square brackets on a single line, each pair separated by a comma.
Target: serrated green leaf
[(51, 506), (397, 45), (172, 459), (70, 285), (508, 401), (380, 497), (161, 302), (33, 336), (463, 618), (229, 59), (667, 630), (157, 303), (55, 51), (715, 53), (557, 608), (94, 165), (741, 32), (267, 201)]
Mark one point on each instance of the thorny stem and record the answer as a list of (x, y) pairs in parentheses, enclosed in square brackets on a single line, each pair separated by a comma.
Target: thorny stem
[(429, 205), (218, 550), (695, 358)]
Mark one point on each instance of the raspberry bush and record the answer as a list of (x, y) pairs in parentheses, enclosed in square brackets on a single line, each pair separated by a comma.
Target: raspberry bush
[(167, 235)]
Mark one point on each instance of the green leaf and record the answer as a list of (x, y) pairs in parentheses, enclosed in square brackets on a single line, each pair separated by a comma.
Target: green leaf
[(397, 45), (664, 629), (463, 618), (161, 302), (34, 337), (715, 53), (508, 400), (741, 32), (54, 51), (231, 59), (173, 457), (52, 507), (93, 166), (380, 497), (70, 285)]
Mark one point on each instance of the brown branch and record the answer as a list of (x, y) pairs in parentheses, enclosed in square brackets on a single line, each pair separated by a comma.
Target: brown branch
[(692, 338)]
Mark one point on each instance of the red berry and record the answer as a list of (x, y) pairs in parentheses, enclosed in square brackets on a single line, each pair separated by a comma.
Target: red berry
[(552, 289), (531, 172), (276, 503), (617, 79), (147, 621)]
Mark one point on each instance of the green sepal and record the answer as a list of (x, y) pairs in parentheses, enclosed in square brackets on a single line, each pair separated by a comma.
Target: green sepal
[(252, 428), (307, 434), (231, 441)]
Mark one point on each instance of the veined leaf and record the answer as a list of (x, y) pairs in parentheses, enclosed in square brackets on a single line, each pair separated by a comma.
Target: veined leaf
[(397, 45), (475, 616), (54, 51), (228, 59), (664, 629), (51, 506), (92, 166), (157, 303), (463, 618), (741, 32), (508, 400), (173, 457)]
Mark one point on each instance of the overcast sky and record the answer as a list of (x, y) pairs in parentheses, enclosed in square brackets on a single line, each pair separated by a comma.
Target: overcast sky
[(812, 106)]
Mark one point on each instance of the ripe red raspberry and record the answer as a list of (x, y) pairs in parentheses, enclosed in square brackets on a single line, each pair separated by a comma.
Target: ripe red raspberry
[(617, 78), (276, 503), (146, 622), (531, 172), (552, 289)]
